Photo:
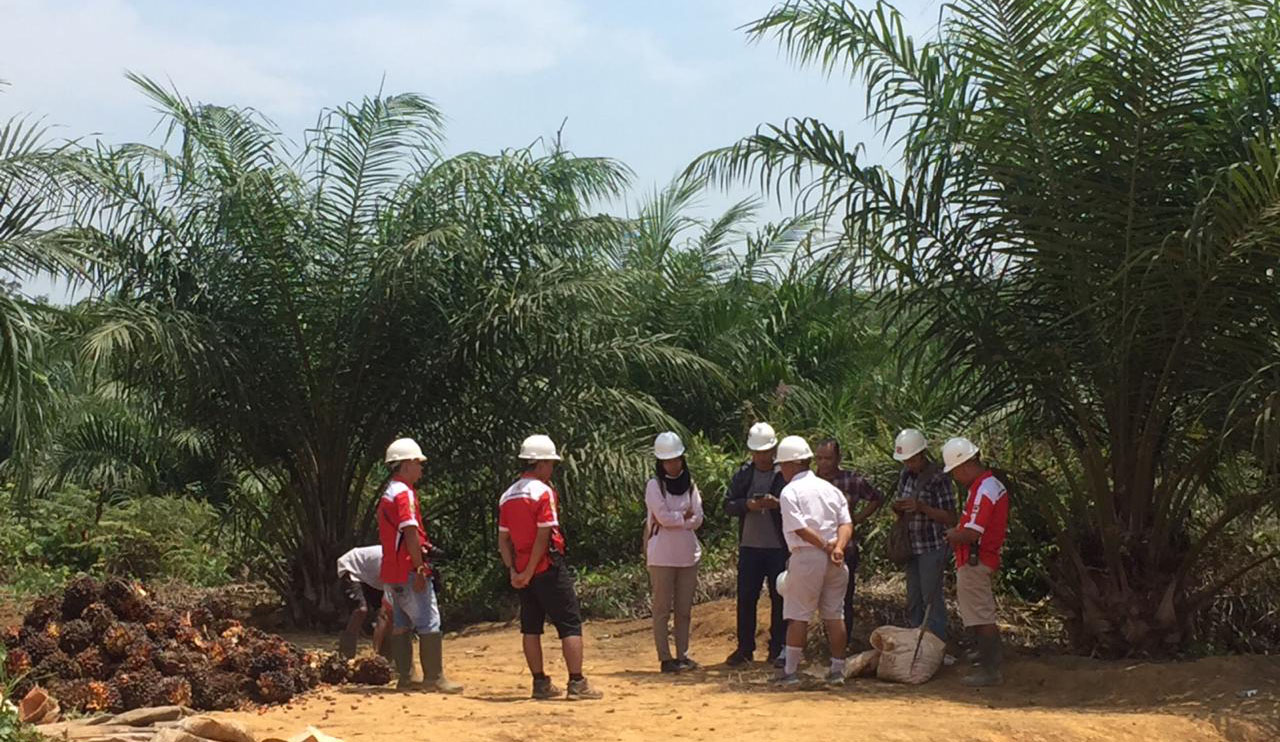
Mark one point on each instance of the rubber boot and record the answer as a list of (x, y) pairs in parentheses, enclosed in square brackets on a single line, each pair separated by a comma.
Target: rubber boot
[(431, 653), (988, 671), (402, 653), (347, 645)]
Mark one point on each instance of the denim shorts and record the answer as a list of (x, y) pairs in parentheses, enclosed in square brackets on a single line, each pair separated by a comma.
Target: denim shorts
[(414, 610)]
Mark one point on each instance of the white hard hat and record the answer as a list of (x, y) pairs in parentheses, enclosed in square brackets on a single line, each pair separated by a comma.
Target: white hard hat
[(908, 443), (538, 448), (781, 583), (761, 437), (668, 446), (793, 448), (957, 451), (404, 449)]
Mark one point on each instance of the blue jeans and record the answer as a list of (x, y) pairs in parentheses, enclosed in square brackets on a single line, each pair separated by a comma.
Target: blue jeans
[(414, 610), (924, 588)]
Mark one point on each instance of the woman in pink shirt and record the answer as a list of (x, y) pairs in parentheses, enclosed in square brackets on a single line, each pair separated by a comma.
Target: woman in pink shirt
[(672, 551)]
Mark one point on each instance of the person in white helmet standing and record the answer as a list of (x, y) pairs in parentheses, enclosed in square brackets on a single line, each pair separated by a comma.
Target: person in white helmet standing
[(977, 541), (532, 548), (406, 575), (762, 551), (817, 527), (672, 551), (927, 500)]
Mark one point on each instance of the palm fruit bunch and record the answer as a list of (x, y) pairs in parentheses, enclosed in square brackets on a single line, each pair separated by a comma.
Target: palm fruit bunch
[(127, 600), (173, 691), (101, 696), (100, 618), (73, 694), (137, 688), (42, 612), (120, 639), (57, 666), (17, 662), (215, 690), (371, 671), (77, 635), (37, 644), (334, 670), (11, 637), (93, 664), (78, 595), (276, 686)]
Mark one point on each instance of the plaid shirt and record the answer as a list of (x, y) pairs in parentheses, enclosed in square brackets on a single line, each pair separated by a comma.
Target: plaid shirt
[(927, 533), (856, 489)]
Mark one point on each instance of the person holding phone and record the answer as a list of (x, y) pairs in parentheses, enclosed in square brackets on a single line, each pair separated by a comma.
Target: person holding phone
[(672, 551), (762, 552)]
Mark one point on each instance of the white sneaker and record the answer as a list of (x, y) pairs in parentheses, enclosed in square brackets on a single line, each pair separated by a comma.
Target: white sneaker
[(835, 678)]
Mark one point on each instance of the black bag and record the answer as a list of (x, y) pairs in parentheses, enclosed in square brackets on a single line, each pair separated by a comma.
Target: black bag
[(899, 543)]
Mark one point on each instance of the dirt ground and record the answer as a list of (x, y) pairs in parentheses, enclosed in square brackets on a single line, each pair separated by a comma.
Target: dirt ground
[(1044, 698)]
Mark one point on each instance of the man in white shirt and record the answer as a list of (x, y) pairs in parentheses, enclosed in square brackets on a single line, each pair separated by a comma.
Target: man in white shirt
[(817, 527), (358, 571)]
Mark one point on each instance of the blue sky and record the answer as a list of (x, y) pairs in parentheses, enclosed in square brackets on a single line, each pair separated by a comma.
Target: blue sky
[(653, 84)]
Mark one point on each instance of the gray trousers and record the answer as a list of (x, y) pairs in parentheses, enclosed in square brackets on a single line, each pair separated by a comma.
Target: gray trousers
[(673, 589)]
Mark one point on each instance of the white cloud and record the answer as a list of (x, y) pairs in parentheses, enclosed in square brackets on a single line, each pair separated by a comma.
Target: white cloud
[(75, 54)]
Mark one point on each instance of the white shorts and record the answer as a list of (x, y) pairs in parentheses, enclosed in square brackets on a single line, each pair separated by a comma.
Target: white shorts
[(814, 585)]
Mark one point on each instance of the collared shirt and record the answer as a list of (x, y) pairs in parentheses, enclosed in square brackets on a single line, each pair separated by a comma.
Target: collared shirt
[(809, 501), (526, 506), (398, 509), (673, 519), (856, 490), (933, 488), (987, 512), (363, 563)]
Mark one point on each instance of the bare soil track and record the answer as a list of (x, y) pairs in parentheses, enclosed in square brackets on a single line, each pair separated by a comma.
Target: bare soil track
[(1044, 698)]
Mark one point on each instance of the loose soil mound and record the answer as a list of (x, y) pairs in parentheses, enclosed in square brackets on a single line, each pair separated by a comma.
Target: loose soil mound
[(1053, 698)]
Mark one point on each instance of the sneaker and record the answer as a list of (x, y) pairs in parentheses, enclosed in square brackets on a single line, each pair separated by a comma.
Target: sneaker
[(686, 665), (581, 690), (544, 689), (738, 659), (982, 677), (671, 666), (835, 678), (786, 681), (778, 662)]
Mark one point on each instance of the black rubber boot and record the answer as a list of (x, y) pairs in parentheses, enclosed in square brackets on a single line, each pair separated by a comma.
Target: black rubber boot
[(431, 654), (402, 653), (987, 673)]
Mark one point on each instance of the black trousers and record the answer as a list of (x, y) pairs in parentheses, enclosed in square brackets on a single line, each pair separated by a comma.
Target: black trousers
[(756, 567)]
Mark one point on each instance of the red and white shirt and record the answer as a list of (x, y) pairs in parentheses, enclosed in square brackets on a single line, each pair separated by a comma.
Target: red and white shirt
[(526, 506), (398, 509), (987, 512)]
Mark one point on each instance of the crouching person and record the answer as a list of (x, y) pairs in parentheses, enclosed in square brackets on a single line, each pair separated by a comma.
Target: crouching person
[(406, 575), (359, 572), (977, 541), (817, 528)]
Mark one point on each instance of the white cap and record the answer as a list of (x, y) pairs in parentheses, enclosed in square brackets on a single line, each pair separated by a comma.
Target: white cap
[(793, 448), (781, 583), (538, 448), (668, 446), (404, 449), (957, 451), (909, 443), (761, 437)]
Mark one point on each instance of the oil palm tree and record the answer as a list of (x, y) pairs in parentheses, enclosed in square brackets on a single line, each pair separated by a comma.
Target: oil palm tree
[(1084, 216), (306, 305)]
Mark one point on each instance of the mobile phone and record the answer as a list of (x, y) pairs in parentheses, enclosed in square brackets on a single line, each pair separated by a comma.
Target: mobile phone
[(759, 495)]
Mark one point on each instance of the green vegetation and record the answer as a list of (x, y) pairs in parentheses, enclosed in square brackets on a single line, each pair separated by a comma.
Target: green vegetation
[(1074, 261)]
